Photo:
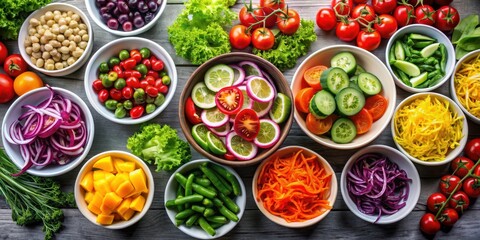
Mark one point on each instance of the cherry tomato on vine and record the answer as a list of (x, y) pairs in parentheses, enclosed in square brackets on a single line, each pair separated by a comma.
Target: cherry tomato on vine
[(364, 13), (386, 25), (448, 217), (229, 100), (369, 39), (425, 14), (263, 39), (251, 14), (429, 225), (268, 6), (347, 30), (461, 166), (471, 186), (404, 14), (435, 201), (448, 183), (14, 65), (342, 7), (447, 18), (472, 149), (6, 88), (289, 22), (459, 201), (443, 2), (326, 19), (239, 37), (384, 6)]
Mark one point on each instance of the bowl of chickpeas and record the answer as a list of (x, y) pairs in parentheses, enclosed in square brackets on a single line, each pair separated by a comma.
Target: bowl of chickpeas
[(56, 40)]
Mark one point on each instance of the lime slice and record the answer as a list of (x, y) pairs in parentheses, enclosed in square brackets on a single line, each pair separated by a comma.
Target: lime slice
[(214, 118), (215, 144), (218, 77), (281, 108), (199, 134), (262, 108), (268, 135), (202, 96), (259, 89), (240, 148)]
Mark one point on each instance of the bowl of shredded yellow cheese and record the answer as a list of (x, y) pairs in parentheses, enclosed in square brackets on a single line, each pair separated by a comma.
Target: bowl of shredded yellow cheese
[(465, 85), (429, 128)]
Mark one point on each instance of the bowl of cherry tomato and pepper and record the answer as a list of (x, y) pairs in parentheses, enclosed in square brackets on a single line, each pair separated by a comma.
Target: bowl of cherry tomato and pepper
[(130, 85)]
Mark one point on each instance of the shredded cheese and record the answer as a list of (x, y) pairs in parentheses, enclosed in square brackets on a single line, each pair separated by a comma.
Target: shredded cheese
[(427, 128), (467, 86)]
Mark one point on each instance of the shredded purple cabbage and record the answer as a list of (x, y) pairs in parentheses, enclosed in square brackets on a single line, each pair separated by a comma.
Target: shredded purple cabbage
[(377, 185)]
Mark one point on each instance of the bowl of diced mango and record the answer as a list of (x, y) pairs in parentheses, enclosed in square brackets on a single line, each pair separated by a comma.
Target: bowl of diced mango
[(114, 189)]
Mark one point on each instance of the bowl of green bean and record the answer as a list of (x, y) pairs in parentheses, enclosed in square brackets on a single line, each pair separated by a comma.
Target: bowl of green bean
[(204, 199)]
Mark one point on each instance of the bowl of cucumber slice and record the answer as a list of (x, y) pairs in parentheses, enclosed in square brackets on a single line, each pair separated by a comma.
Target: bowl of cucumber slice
[(420, 58), (236, 109), (344, 96)]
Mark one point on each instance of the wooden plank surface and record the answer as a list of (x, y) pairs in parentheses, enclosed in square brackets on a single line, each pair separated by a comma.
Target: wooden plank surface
[(340, 223)]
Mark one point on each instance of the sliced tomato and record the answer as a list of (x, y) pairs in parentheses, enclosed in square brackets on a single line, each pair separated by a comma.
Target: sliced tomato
[(312, 76), (229, 100), (302, 99), (190, 111), (376, 106), (319, 126), (247, 124), (363, 121)]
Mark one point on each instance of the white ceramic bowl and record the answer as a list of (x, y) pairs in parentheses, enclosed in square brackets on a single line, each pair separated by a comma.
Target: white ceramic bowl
[(403, 163), (433, 33), (470, 56), (285, 152), (112, 49), (80, 192), (452, 154), (94, 13), (371, 64), (34, 97), (196, 231), (23, 34)]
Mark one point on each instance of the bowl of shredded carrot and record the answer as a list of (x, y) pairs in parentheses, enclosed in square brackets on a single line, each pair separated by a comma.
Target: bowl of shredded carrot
[(429, 128), (295, 187), (465, 85)]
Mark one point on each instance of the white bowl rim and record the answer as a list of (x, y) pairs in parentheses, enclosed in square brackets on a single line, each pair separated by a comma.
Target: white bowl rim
[(47, 171), (137, 216), (351, 145), (137, 31), (281, 221), (128, 120), (462, 142), (415, 182)]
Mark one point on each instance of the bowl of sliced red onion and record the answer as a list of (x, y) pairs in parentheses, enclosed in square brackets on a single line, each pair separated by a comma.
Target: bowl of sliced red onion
[(380, 185), (47, 132)]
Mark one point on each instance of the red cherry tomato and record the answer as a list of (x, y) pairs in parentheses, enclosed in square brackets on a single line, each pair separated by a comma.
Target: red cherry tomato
[(135, 54), (247, 124), (263, 39), (471, 186), (448, 217), (157, 64), (6, 88), (459, 201), (151, 91), (268, 6), (97, 85), (229, 100), (461, 166), (136, 74), (343, 7), (364, 13), (384, 6), (147, 63), (447, 18), (133, 82), (429, 225), (472, 149), (425, 14), (369, 40), (288, 23), (129, 63), (163, 89), (144, 84), (229, 156), (158, 83), (239, 37), (14, 65), (191, 112), (116, 94), (137, 111), (448, 183), (152, 73), (435, 201), (347, 30), (251, 14), (103, 95), (3, 53), (150, 80), (326, 19), (386, 25), (404, 14), (119, 71), (476, 171), (127, 92)]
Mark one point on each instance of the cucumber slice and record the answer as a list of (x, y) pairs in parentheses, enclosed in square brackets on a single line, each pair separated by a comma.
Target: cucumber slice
[(334, 79), (369, 83), (419, 79), (359, 70), (345, 61), (343, 130), (408, 68), (354, 79), (322, 104), (350, 101), (429, 50), (399, 52), (354, 85), (421, 37)]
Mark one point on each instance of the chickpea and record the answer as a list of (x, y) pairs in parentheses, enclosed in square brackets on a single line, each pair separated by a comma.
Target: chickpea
[(37, 35), (34, 22), (49, 15), (46, 55), (60, 38), (29, 50), (57, 58), (49, 66), (42, 20), (70, 13), (57, 12), (64, 50), (37, 55), (77, 38), (65, 56), (35, 47), (71, 38), (77, 53), (85, 38), (27, 42), (34, 39), (32, 31), (76, 17), (57, 17), (72, 46), (48, 34), (50, 22), (55, 43), (48, 47), (53, 52), (65, 42), (68, 20), (43, 40), (71, 60), (82, 32), (62, 21), (58, 65), (73, 24), (40, 62), (82, 44), (68, 32), (82, 26), (63, 28), (76, 30), (33, 60)]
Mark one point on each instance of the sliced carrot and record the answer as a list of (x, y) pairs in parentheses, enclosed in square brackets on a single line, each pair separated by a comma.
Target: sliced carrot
[(319, 126), (302, 99), (312, 76), (294, 187), (376, 106), (363, 121)]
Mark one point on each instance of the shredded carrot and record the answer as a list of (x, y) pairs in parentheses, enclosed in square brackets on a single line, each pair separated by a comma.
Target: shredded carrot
[(294, 187)]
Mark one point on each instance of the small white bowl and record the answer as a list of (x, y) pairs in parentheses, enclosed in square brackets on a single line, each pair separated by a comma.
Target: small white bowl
[(427, 31), (371, 64), (455, 108), (196, 231), (80, 192), (285, 152), (23, 34), (403, 163), (470, 56), (35, 97), (112, 49), (94, 13)]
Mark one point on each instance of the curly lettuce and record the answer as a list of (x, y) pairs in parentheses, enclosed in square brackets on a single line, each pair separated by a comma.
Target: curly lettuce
[(13, 13), (288, 49), (198, 33)]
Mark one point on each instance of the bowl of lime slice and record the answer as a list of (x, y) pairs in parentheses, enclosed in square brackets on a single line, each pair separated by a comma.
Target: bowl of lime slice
[(236, 106)]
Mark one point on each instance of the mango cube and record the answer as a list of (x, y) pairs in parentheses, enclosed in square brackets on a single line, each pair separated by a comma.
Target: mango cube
[(124, 189), (105, 219), (87, 182), (97, 200), (105, 164), (89, 196), (116, 163), (127, 166), (137, 203), (94, 209), (127, 215), (102, 186), (124, 206), (139, 181), (119, 179), (110, 202)]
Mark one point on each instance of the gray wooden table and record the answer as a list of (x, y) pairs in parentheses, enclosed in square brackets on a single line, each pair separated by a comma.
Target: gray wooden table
[(340, 223)]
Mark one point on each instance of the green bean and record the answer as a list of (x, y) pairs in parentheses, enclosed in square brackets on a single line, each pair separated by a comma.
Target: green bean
[(180, 207), (229, 203), (188, 186), (443, 61), (206, 226), (432, 74), (202, 181), (196, 188), (422, 44), (406, 49), (192, 220), (218, 219), (207, 202), (208, 212), (189, 199), (214, 179), (170, 204), (229, 176), (216, 225), (417, 60), (228, 214), (185, 214), (179, 222), (224, 181), (391, 57), (217, 202), (198, 208), (404, 77), (426, 68), (431, 61)]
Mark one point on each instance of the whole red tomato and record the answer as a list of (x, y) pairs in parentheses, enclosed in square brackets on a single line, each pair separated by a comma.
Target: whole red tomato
[(429, 225), (6, 88), (448, 183), (435, 201), (342, 7), (15, 65), (459, 201), (137, 111), (425, 14), (404, 15), (326, 19), (364, 13), (471, 186), (347, 30), (447, 18), (461, 166), (289, 22), (268, 7), (263, 39), (443, 2), (384, 6), (448, 217), (239, 37), (476, 171), (472, 149), (386, 25), (368, 39), (251, 14), (3, 53)]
